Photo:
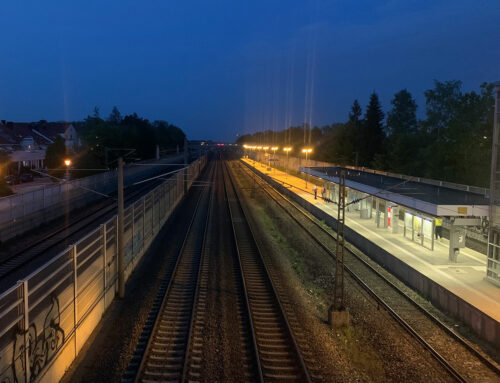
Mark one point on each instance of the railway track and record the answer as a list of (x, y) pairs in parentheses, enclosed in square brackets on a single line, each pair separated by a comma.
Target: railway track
[(172, 349), (457, 356), (161, 352), (279, 357), (60, 236)]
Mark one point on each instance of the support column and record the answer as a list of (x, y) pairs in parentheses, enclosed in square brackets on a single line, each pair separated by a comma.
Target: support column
[(457, 241), (394, 219), (365, 207), (377, 212)]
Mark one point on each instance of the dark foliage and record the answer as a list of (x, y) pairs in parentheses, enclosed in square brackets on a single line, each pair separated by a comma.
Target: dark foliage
[(453, 143)]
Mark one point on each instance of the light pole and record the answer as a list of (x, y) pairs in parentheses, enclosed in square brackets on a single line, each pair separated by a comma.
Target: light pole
[(306, 151), (266, 148), (287, 150), (274, 148), (67, 162)]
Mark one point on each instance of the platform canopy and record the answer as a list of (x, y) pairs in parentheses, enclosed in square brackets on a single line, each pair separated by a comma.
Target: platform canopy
[(431, 199)]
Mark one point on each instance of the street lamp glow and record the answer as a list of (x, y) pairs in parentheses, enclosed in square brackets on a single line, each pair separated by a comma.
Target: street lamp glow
[(274, 148), (306, 151), (67, 162), (265, 147), (287, 149)]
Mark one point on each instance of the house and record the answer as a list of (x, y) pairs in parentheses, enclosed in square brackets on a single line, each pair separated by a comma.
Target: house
[(26, 142)]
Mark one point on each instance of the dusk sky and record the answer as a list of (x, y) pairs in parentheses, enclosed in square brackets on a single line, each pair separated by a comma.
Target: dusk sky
[(221, 68)]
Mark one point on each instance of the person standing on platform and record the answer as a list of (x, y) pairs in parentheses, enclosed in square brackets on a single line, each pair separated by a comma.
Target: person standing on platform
[(323, 193), (439, 228), (315, 190)]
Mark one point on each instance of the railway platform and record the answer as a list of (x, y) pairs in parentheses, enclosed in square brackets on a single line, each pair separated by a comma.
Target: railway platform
[(464, 278)]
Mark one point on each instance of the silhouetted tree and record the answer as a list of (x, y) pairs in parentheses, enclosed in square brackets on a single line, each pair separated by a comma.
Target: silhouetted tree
[(372, 132), (115, 116), (402, 130), (54, 157)]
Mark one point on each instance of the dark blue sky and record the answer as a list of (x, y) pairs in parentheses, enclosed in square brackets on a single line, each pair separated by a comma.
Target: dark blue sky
[(222, 68)]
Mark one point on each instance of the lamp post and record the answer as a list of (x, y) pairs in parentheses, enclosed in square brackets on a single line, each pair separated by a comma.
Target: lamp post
[(287, 150), (306, 151), (67, 162), (266, 148), (274, 148)]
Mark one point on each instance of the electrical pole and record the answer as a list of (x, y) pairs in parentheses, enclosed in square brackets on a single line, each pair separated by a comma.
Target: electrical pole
[(337, 315), (121, 253)]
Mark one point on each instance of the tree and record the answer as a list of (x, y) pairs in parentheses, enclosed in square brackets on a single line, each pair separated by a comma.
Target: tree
[(372, 137), (115, 116), (356, 112), (54, 156), (402, 133), (458, 133), (441, 105)]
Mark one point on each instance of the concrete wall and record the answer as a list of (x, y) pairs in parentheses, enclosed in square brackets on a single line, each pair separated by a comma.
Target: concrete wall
[(482, 324)]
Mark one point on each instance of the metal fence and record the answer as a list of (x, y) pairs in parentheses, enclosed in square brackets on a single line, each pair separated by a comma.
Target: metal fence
[(25, 211), (46, 318)]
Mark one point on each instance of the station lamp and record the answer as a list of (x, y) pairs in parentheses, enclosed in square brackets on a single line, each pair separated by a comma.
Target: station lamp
[(306, 151), (67, 162)]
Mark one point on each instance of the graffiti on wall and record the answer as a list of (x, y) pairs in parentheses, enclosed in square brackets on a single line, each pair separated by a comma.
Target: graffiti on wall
[(42, 344)]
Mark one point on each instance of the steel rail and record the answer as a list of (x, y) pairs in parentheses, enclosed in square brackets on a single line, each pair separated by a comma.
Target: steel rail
[(297, 361), (140, 358)]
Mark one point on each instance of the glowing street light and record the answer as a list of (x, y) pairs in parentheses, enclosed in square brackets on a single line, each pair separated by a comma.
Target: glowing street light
[(287, 149), (67, 162), (306, 151), (266, 148), (274, 148)]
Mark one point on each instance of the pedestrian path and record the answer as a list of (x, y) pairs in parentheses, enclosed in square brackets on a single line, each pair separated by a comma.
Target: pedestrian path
[(465, 278)]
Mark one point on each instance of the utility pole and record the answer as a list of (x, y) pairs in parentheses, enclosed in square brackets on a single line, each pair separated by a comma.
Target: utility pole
[(337, 314), (121, 253)]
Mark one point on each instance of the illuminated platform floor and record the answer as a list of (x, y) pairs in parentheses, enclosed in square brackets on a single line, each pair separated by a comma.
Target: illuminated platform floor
[(465, 278)]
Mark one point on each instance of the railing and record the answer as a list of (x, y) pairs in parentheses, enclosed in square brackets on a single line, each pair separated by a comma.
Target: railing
[(25, 211), (46, 318)]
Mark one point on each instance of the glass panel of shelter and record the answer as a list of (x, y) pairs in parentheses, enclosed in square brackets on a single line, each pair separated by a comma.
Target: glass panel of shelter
[(416, 227)]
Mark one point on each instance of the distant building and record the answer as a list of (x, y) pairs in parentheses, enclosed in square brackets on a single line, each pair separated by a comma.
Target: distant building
[(26, 142)]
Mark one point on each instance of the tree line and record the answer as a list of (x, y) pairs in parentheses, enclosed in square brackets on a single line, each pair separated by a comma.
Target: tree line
[(452, 143), (99, 135)]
